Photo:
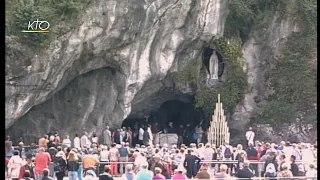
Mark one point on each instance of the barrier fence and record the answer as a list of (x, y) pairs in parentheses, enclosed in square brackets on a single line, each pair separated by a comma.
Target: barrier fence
[(215, 162)]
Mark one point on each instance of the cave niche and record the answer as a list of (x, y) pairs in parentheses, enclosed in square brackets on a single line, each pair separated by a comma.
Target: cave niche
[(175, 111), (207, 54)]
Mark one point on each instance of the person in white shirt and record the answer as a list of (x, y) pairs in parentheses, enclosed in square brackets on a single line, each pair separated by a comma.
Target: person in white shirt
[(140, 137), (76, 142), (250, 136), (84, 140), (150, 135), (94, 138), (66, 141), (312, 173)]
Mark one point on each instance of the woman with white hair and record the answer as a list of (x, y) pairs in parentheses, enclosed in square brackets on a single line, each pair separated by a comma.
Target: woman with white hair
[(144, 173), (129, 175), (285, 173)]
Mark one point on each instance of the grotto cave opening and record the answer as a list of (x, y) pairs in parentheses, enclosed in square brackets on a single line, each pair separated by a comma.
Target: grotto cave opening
[(175, 111), (213, 62)]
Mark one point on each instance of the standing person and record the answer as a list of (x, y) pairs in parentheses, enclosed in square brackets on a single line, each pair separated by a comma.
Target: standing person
[(252, 155), (130, 136), (84, 140), (294, 167), (179, 174), (170, 128), (144, 173), (72, 166), (124, 154), (94, 139), (107, 140), (42, 160), (57, 138), (117, 136), (244, 171), (146, 137), (150, 143), (76, 142), (190, 165), (140, 136), (122, 134), (66, 142), (250, 136), (114, 158), (199, 133), (180, 132), (158, 175), (106, 174), (285, 172), (41, 141), (46, 175), (129, 175), (14, 165), (188, 135), (60, 164), (90, 161), (312, 173), (28, 166), (8, 148), (296, 152)]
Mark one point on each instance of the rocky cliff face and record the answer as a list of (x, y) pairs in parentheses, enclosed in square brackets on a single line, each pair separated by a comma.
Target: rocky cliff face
[(114, 61)]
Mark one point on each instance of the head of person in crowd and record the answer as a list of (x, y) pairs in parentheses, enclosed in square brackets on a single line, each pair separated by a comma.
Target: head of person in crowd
[(26, 174), (285, 166), (127, 144), (251, 145), (189, 151), (45, 172), (144, 166), (29, 158), (282, 157), (183, 146), (90, 151), (72, 156), (292, 158), (312, 166), (223, 168), (267, 145), (239, 147), (157, 171)]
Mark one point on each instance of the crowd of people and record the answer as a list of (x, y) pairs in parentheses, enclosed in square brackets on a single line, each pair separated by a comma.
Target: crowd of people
[(111, 157)]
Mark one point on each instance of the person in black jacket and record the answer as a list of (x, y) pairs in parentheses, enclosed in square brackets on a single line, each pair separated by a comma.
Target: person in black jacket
[(60, 165), (180, 132), (72, 166), (244, 171), (106, 174), (190, 165), (294, 167)]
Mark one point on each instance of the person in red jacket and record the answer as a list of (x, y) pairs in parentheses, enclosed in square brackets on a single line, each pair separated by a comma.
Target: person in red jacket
[(28, 166)]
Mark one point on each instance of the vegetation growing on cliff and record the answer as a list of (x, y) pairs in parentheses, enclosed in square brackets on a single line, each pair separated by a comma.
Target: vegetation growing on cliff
[(189, 74), (58, 13), (293, 77), (232, 90)]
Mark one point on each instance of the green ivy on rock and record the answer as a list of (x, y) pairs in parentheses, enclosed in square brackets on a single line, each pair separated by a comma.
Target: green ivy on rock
[(189, 74), (294, 76), (20, 12), (232, 90)]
